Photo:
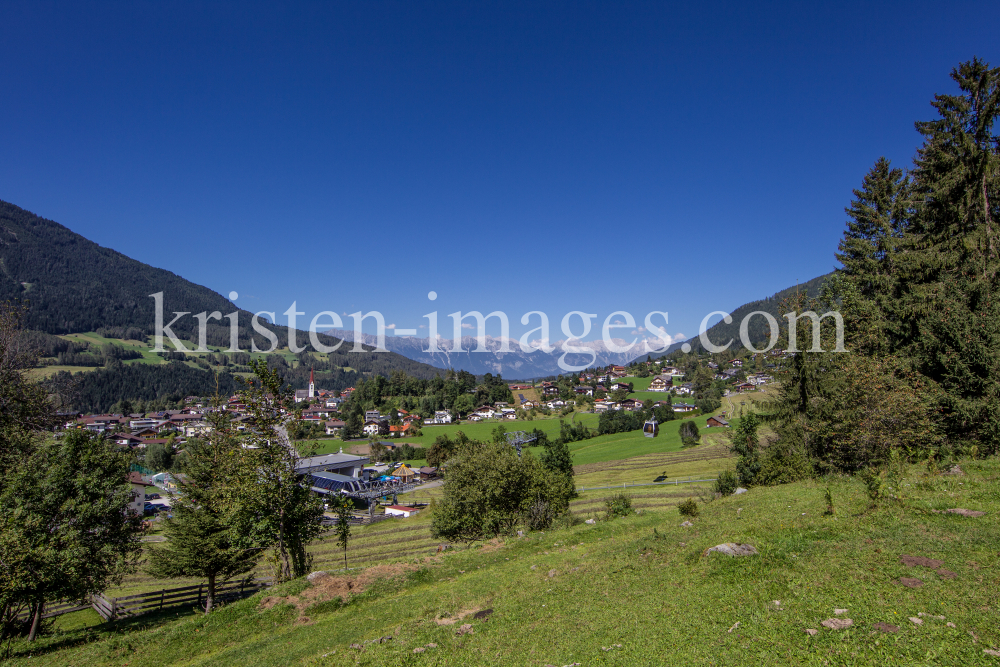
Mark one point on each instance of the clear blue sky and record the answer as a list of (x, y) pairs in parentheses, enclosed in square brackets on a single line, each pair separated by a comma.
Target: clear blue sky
[(533, 156)]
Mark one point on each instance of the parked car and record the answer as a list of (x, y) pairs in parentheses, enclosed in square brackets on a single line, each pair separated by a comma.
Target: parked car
[(152, 496)]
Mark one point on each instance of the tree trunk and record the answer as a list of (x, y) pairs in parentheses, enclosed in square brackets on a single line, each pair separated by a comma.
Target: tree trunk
[(35, 621), (210, 597)]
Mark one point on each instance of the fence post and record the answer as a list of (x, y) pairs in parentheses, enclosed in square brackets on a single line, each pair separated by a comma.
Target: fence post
[(199, 594), (162, 591), (114, 608)]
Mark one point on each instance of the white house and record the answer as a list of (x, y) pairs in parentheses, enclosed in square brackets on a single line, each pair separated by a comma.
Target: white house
[(400, 510)]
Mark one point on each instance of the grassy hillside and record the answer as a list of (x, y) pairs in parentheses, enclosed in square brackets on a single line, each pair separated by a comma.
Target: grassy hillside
[(635, 591)]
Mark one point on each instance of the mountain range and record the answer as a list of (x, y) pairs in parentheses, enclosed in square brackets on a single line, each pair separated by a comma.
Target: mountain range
[(75, 285)]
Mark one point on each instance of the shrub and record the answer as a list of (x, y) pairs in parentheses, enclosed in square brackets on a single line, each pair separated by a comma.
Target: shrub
[(689, 434), (726, 483), (539, 516), (783, 462), (618, 505), (688, 508)]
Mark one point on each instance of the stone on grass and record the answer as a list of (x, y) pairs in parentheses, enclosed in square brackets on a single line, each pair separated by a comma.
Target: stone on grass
[(591, 521), (837, 623), (465, 629), (951, 625), (995, 654), (922, 561), (955, 470), (886, 627), (916, 621), (911, 582), (811, 631), (319, 574), (739, 491), (483, 615), (838, 612), (732, 549), (553, 573), (431, 645), (419, 649), (687, 524), (964, 512)]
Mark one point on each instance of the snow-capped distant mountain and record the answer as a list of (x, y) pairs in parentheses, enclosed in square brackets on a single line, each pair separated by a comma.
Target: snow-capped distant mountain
[(515, 364)]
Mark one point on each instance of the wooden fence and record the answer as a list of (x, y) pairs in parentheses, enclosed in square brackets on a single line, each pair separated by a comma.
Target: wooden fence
[(134, 605), (142, 603)]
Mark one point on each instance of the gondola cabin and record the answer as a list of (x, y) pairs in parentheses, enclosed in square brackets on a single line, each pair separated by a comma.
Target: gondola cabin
[(651, 428)]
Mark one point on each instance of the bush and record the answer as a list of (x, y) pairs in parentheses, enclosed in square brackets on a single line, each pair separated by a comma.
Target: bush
[(688, 508), (726, 483), (539, 516), (689, 433), (618, 505), (783, 462)]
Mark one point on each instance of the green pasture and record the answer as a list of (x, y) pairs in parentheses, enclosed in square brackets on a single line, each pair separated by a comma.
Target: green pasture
[(638, 590)]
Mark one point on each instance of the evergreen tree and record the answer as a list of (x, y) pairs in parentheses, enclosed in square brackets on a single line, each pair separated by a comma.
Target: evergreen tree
[(201, 541)]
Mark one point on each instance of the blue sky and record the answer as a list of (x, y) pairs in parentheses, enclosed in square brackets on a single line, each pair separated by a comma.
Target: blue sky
[(511, 156)]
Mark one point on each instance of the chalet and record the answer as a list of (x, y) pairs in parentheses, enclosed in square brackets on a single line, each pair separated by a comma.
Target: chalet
[(334, 427), (474, 417), (600, 408), (426, 473), (333, 402), (682, 389), (316, 411), (127, 440), (372, 415), (621, 385), (550, 389), (746, 386), (684, 407), (501, 404), (556, 404), (440, 417), (197, 429), (737, 363), (661, 383), (397, 430), (630, 404), (713, 365), (601, 387), (583, 390), (376, 427), (618, 369), (527, 405), (717, 422)]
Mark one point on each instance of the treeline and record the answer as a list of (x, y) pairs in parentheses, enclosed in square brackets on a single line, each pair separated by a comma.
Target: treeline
[(98, 390), (918, 296)]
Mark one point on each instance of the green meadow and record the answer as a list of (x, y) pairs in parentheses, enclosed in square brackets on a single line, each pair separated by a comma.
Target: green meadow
[(638, 590)]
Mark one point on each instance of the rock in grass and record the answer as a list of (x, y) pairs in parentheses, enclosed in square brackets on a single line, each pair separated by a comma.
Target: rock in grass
[(732, 549), (995, 654), (465, 629), (964, 512), (739, 491), (687, 524), (837, 623), (811, 631), (916, 621), (886, 627), (591, 521), (313, 576)]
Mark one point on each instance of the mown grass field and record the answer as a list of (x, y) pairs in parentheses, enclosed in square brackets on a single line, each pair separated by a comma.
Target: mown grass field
[(635, 591)]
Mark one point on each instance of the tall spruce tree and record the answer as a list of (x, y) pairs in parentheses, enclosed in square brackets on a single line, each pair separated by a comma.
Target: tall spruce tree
[(201, 541), (950, 311)]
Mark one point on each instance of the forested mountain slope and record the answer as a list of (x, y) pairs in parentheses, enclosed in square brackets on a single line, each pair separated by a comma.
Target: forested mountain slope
[(73, 285)]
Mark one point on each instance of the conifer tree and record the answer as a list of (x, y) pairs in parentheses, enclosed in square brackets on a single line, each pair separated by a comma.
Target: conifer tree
[(201, 541)]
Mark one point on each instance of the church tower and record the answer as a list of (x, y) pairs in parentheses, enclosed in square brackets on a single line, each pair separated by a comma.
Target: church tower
[(312, 385)]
